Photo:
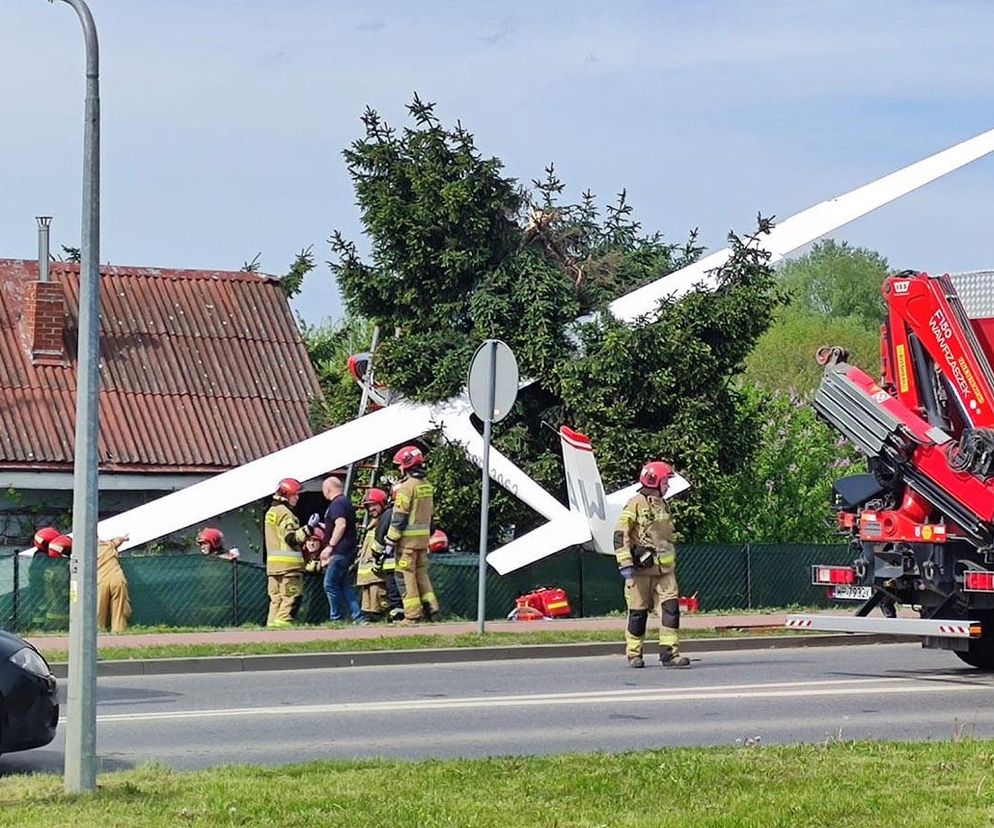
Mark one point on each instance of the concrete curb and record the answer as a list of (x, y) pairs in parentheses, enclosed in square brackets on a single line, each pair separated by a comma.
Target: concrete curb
[(453, 655)]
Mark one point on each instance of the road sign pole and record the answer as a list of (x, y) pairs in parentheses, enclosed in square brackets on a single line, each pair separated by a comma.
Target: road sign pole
[(481, 598), (81, 720), (492, 389)]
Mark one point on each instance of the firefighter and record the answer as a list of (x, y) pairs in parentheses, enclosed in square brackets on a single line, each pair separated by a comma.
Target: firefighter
[(410, 526), (371, 576), (284, 538), (387, 561), (312, 550), (643, 546), (211, 542), (113, 601)]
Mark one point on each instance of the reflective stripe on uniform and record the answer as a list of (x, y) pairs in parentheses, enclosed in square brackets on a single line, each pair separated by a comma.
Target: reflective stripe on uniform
[(286, 557)]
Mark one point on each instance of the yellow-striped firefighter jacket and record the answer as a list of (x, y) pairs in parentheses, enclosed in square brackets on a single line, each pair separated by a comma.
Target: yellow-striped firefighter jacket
[(644, 534), (284, 538), (413, 507), (368, 572)]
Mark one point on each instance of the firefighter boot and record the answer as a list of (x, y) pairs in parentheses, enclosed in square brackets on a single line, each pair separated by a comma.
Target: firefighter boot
[(635, 661), (669, 657)]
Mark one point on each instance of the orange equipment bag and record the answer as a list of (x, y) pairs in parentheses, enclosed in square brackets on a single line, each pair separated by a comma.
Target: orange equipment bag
[(550, 601)]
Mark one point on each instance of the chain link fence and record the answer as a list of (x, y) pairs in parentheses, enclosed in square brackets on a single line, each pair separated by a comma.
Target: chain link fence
[(189, 590)]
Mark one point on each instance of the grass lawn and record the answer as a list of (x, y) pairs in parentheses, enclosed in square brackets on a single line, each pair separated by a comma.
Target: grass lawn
[(834, 784), (385, 642)]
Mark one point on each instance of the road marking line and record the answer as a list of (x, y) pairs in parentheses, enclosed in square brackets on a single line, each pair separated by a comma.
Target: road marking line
[(635, 695)]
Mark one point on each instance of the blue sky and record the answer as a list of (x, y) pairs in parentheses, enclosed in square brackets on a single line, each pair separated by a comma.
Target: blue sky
[(224, 121)]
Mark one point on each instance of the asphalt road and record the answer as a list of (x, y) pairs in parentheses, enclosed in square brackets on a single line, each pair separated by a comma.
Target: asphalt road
[(894, 691)]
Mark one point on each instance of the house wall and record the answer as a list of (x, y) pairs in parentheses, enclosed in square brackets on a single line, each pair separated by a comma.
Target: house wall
[(23, 510)]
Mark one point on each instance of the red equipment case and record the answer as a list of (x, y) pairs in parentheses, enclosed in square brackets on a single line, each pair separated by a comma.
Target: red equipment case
[(552, 602)]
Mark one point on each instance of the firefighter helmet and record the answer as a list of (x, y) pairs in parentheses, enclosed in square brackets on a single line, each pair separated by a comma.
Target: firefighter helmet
[(214, 538), (409, 457), (438, 542), (288, 487), (60, 547), (317, 532), (655, 473), (374, 497), (44, 536)]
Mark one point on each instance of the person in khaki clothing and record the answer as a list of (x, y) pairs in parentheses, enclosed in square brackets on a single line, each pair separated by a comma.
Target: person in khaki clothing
[(410, 527), (284, 538), (370, 575), (113, 601), (643, 546)]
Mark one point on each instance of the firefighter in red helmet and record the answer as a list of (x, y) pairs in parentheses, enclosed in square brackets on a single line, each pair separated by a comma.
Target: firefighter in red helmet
[(211, 542), (56, 583), (643, 546), (284, 537), (372, 574), (410, 528)]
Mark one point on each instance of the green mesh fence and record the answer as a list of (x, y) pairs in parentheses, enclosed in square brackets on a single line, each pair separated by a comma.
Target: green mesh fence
[(184, 590)]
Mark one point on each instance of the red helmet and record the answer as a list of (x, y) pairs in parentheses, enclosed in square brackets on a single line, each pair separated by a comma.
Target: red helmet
[(60, 547), (288, 487), (212, 537), (438, 542), (44, 536), (655, 473), (318, 532), (374, 497), (409, 457)]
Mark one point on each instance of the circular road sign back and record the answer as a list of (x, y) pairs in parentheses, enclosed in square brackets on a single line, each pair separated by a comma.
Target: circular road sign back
[(494, 366)]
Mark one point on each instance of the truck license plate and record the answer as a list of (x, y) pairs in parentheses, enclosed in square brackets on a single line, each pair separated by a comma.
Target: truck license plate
[(852, 593)]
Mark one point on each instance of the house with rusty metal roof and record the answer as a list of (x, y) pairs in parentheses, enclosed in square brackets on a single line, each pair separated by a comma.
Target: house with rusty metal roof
[(200, 371)]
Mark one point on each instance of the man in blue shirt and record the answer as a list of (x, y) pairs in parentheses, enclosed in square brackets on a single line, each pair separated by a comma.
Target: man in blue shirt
[(340, 551)]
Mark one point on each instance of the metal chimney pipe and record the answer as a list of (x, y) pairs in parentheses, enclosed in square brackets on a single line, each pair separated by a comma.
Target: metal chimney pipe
[(44, 222)]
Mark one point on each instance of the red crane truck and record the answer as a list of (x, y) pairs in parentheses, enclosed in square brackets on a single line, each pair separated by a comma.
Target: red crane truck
[(921, 521)]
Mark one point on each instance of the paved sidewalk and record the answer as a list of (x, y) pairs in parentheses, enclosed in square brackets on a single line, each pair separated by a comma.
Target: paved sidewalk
[(755, 622)]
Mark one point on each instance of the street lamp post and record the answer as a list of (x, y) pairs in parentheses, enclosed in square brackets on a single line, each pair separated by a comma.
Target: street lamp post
[(81, 724)]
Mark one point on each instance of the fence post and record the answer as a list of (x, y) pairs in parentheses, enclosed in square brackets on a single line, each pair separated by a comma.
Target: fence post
[(234, 593), (748, 562), (17, 593)]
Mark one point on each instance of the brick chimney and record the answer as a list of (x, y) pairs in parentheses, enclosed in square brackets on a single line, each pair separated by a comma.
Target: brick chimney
[(43, 321), (44, 315)]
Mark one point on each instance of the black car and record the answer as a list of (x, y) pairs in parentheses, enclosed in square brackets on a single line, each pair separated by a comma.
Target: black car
[(29, 708)]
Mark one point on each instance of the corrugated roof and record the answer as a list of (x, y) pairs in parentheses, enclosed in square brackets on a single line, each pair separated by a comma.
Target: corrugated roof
[(199, 371)]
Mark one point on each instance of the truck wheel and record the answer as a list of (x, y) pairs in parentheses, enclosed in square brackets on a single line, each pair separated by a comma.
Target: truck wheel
[(981, 652)]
